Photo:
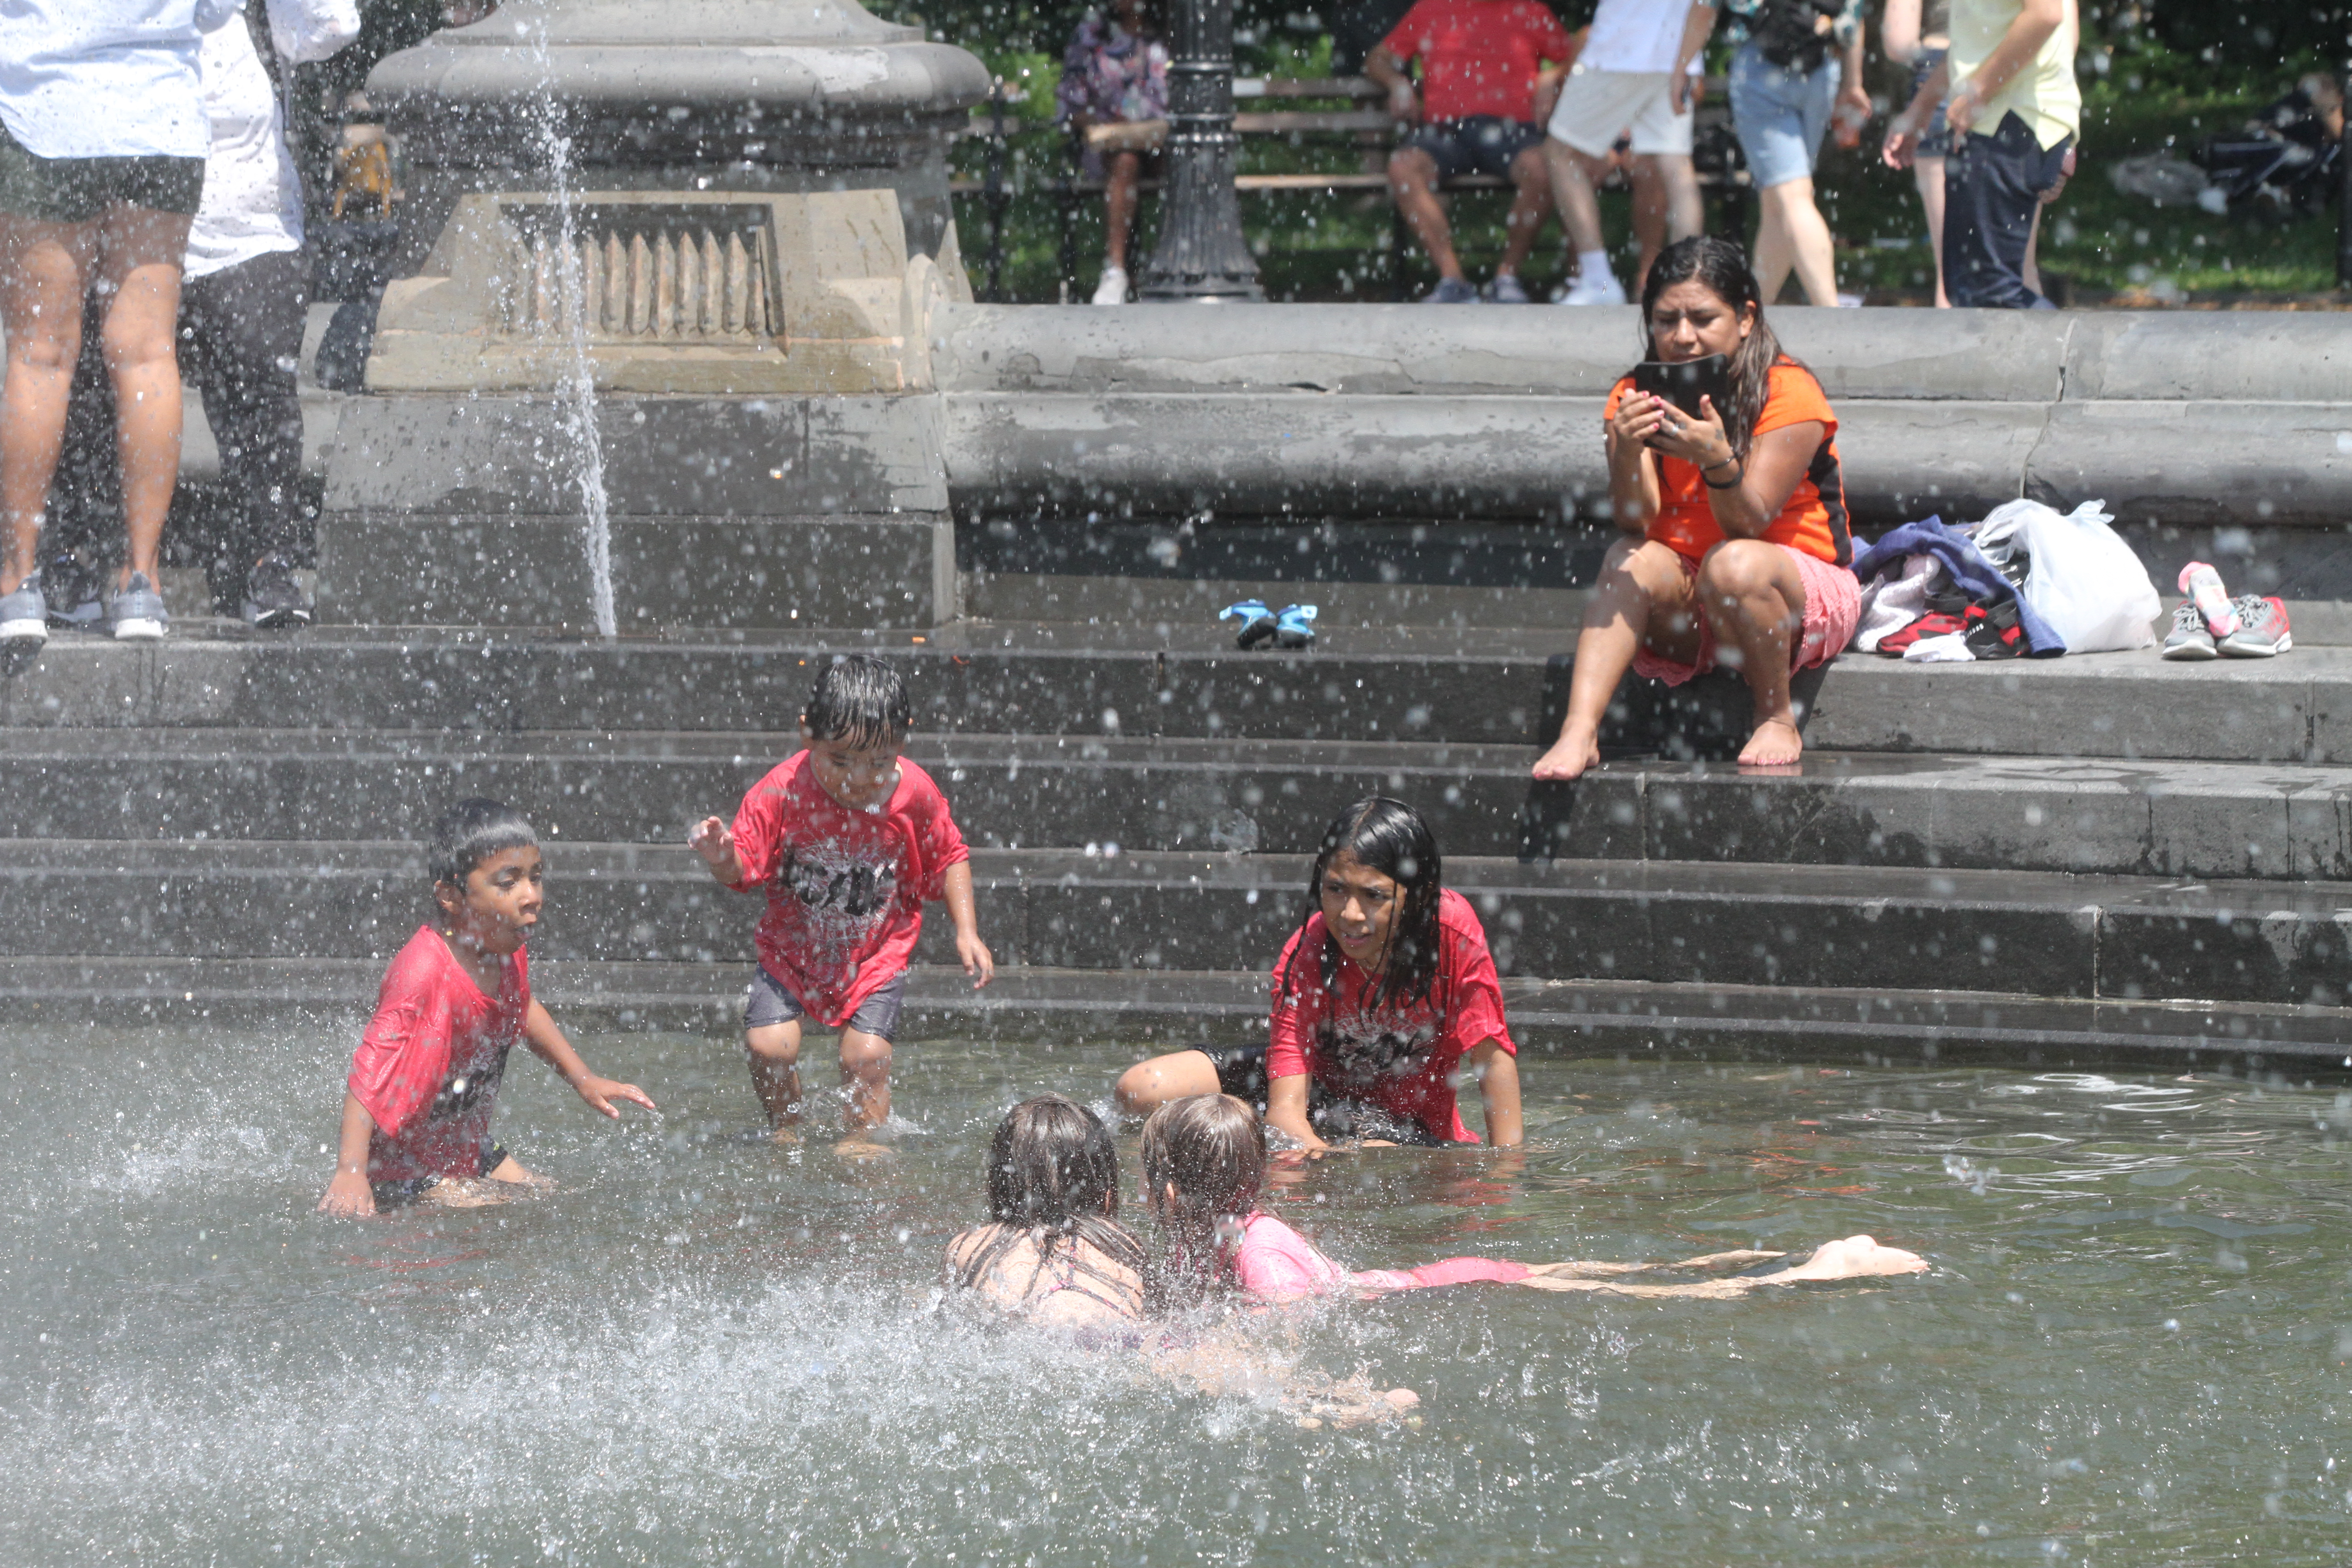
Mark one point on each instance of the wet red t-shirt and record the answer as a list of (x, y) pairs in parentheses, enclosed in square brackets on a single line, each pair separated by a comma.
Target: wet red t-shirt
[(845, 888), (429, 1065), (1400, 1058)]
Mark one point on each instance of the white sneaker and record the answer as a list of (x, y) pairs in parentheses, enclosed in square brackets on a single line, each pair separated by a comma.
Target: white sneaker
[(1112, 290), (1603, 289)]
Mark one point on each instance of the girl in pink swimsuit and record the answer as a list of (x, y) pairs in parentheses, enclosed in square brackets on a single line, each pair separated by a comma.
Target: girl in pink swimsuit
[(1204, 1166)]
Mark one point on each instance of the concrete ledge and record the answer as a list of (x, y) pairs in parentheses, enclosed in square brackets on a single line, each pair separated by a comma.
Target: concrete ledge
[(1390, 350), (1549, 1019), (2024, 933), (2192, 463), (425, 568)]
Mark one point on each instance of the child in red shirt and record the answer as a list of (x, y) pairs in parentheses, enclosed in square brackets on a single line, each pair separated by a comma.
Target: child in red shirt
[(848, 839), (1384, 997), (417, 1113)]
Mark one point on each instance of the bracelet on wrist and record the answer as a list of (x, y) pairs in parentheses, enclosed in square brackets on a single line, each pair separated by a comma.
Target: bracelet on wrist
[(1732, 483)]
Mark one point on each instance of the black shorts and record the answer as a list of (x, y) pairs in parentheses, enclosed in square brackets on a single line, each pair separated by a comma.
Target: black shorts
[(75, 190), (409, 1189), (1475, 144), (770, 1001), (1241, 1072)]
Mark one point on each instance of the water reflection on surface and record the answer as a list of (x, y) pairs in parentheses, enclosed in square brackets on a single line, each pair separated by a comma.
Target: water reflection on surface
[(2133, 1349)]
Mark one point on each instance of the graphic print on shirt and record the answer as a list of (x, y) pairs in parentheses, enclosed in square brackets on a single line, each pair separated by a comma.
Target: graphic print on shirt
[(1360, 1051), (843, 893)]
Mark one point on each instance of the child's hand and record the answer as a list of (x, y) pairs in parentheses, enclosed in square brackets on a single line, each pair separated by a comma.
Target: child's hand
[(349, 1197), (712, 840), (976, 961), (600, 1093)]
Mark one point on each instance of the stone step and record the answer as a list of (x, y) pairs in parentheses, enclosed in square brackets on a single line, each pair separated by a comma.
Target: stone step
[(1413, 683), (2279, 821), (1898, 930), (1156, 1011)]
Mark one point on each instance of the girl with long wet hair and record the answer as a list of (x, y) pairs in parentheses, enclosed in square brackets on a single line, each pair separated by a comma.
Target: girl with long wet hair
[(1736, 543), (1204, 1168), (1052, 1251), (1385, 999)]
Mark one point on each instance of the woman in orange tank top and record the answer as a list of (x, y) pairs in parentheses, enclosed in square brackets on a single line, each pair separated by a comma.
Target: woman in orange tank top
[(1736, 548)]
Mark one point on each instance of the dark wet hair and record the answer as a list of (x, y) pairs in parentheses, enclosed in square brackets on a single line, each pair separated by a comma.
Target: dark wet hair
[(1211, 1149), (470, 833), (859, 698), (1393, 838), (1053, 1177), (1722, 267)]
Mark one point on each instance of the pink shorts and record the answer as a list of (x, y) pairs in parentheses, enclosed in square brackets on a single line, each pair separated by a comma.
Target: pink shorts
[(1832, 606)]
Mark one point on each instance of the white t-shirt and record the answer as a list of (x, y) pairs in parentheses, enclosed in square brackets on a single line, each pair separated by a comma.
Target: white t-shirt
[(105, 78), (1635, 36), (253, 195)]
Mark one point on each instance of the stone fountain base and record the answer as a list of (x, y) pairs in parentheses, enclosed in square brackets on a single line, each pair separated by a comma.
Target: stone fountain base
[(770, 450)]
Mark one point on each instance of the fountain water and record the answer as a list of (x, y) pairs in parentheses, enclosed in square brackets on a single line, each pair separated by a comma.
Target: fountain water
[(690, 245)]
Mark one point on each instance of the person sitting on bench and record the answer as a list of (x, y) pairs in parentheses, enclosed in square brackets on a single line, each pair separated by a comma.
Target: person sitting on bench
[(1474, 114), (1114, 97)]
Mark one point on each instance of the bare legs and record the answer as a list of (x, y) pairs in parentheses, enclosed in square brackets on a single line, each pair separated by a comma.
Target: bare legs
[(1927, 174), (1753, 600), (775, 1052), (1641, 582), (45, 268), (1574, 176), (1412, 182), (1793, 234), (1122, 178), (1666, 206), (1849, 1257)]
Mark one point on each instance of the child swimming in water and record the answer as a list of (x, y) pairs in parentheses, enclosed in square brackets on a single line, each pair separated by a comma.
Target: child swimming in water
[(1386, 1003), (1204, 1166), (1052, 1251), (425, 1079), (1054, 1255), (848, 840)]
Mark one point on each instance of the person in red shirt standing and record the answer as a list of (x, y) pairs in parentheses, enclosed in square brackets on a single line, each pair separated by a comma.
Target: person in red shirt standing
[(848, 839), (1474, 114), (1385, 1000), (417, 1113)]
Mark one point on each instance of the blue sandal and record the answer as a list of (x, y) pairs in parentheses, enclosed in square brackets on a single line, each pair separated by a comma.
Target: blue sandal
[(1295, 627), (1257, 622)]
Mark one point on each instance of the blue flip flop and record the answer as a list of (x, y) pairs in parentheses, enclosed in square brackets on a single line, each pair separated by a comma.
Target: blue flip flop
[(1295, 627), (1257, 622)]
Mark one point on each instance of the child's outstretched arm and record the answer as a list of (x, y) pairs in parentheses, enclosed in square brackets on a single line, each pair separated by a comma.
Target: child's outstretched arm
[(713, 840), (548, 1043), (955, 887), (348, 1195)]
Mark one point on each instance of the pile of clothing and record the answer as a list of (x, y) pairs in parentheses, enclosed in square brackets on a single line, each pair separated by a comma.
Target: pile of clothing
[(1931, 594)]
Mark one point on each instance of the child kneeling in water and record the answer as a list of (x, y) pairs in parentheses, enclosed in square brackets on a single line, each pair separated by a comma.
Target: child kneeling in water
[(426, 1076), (1385, 1001), (1053, 1254), (1204, 1166)]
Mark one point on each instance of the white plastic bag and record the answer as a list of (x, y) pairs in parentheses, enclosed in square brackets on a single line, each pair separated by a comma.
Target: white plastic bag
[(2084, 580)]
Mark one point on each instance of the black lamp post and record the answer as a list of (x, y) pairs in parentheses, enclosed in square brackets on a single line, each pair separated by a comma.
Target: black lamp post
[(1202, 254)]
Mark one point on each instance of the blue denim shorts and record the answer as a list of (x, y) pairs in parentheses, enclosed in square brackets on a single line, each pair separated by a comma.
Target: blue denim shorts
[(1781, 117)]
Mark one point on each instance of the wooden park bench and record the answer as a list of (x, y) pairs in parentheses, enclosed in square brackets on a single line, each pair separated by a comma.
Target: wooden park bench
[(1364, 129)]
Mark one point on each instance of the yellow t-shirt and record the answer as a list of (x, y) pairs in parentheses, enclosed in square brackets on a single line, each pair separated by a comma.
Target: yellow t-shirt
[(2043, 93)]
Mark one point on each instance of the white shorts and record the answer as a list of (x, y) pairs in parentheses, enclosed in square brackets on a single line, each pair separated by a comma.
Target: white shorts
[(1596, 106)]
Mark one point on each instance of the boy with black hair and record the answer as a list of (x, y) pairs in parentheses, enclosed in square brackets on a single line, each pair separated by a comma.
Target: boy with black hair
[(425, 1079), (848, 839)]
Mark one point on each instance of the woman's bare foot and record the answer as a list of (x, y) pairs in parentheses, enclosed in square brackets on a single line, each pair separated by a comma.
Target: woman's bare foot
[(1569, 758), (1849, 1257), (1775, 744), (860, 1146)]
